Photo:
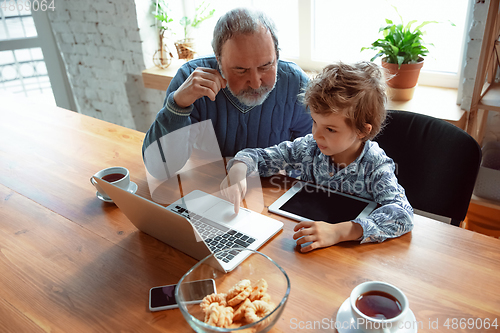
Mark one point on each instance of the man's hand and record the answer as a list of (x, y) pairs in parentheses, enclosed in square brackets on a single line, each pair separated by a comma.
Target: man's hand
[(322, 234), (234, 186), (201, 82)]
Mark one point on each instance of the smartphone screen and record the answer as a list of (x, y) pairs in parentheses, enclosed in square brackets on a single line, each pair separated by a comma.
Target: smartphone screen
[(163, 298)]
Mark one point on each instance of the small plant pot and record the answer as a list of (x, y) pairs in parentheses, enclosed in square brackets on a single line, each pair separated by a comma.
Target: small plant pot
[(396, 94), (402, 81), (405, 77), (185, 48)]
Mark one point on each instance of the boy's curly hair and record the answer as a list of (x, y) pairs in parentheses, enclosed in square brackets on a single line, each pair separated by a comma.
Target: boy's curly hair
[(357, 91)]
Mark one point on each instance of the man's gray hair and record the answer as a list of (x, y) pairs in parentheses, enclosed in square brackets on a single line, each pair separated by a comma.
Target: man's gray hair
[(241, 21)]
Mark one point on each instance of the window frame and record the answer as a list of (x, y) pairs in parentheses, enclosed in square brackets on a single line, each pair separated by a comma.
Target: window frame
[(45, 40)]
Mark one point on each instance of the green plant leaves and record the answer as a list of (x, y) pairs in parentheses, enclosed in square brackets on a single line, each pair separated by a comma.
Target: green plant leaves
[(401, 44), (161, 14), (424, 24), (202, 13), (163, 18), (185, 21)]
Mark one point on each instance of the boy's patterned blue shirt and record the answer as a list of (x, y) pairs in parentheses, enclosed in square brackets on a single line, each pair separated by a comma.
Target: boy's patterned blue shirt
[(370, 176)]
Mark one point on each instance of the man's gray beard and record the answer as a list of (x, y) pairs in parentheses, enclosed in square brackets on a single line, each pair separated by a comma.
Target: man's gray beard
[(245, 98)]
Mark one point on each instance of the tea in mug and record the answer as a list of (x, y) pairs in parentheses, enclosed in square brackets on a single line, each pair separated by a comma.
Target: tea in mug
[(378, 305), (113, 177)]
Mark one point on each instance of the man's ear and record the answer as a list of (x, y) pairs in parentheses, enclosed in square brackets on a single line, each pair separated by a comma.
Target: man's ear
[(367, 131)]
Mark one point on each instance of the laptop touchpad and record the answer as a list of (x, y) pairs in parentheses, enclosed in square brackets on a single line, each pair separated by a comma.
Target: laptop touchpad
[(224, 212)]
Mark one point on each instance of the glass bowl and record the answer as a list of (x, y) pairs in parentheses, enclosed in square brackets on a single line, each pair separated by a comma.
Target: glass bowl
[(257, 266)]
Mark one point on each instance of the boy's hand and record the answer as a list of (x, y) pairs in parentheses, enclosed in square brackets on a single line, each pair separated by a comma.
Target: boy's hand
[(322, 234), (234, 186)]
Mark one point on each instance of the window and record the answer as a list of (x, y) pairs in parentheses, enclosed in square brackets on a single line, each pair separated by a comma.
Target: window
[(22, 67), (24, 71), (286, 23), (313, 33), (30, 63), (360, 28)]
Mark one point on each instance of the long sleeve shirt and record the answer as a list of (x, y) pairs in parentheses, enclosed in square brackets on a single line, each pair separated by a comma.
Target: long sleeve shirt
[(371, 176)]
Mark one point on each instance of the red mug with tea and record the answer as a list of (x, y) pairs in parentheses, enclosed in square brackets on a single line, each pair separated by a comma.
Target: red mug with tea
[(378, 307), (118, 176)]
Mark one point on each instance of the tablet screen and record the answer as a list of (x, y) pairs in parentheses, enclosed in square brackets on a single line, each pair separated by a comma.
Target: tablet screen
[(321, 205)]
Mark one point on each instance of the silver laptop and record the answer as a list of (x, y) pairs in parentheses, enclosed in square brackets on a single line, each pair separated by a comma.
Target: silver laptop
[(209, 225)]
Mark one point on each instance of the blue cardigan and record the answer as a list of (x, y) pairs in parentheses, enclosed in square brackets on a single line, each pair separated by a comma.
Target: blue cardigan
[(281, 117)]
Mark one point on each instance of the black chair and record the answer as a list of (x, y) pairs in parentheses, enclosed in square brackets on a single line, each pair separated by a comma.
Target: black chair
[(436, 162)]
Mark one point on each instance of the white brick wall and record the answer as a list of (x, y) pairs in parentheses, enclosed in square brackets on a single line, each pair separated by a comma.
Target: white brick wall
[(476, 33), (101, 43)]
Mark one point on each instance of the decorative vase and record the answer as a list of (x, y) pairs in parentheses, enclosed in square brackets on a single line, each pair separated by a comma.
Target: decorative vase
[(185, 48), (162, 57), (402, 81)]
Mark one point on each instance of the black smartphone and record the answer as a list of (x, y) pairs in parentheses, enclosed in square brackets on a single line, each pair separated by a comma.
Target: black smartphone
[(163, 297)]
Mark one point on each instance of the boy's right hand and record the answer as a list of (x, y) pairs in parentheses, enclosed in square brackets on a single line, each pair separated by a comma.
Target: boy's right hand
[(234, 186), (202, 82)]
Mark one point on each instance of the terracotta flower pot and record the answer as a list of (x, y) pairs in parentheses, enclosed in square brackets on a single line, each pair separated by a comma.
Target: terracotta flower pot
[(405, 77)]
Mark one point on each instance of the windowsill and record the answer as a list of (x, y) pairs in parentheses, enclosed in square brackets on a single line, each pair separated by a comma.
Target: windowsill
[(433, 101), (159, 78)]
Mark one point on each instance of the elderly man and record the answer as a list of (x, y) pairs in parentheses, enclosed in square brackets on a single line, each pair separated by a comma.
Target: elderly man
[(245, 90)]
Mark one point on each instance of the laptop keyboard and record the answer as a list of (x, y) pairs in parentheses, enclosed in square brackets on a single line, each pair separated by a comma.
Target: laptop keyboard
[(217, 236)]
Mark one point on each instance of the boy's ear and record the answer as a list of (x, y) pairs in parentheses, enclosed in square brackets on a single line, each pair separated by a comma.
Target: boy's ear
[(368, 130)]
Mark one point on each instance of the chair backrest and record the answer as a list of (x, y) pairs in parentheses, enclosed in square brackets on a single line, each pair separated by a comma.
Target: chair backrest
[(436, 162)]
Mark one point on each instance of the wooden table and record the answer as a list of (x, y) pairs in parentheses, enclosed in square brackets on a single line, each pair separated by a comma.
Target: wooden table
[(71, 263)]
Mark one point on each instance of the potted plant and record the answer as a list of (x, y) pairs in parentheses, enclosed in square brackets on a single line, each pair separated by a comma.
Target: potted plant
[(185, 47), (402, 50), (163, 56)]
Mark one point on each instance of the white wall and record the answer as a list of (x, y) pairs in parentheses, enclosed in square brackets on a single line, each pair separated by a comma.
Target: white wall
[(105, 51)]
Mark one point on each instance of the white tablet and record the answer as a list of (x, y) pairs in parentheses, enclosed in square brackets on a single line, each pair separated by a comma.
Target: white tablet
[(309, 202)]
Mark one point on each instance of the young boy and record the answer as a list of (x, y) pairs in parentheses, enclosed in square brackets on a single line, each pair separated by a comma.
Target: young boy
[(347, 104)]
